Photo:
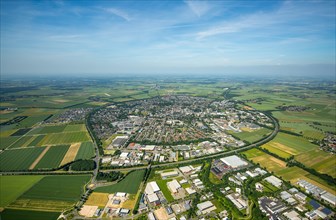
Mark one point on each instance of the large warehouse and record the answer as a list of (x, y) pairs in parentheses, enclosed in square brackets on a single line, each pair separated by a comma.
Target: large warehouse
[(234, 161)]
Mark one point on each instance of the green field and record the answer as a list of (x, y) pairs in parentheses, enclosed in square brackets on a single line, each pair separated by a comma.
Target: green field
[(251, 136), (7, 141), (17, 214), (286, 145), (292, 174), (49, 129), (22, 142), (76, 127), (130, 184), (19, 159), (62, 188), (53, 157), (273, 149), (86, 151), (319, 160), (36, 140), (52, 193), (298, 144), (11, 187), (65, 138)]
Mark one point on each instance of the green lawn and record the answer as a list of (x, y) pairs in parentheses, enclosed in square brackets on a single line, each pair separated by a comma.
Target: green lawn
[(163, 187), (11, 187), (130, 184)]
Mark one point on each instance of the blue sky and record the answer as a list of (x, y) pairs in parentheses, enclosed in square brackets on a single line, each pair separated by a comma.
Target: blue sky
[(160, 37)]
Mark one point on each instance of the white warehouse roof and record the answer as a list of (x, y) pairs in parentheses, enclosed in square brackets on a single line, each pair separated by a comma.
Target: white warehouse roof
[(152, 187), (204, 205), (152, 197), (234, 161), (173, 186)]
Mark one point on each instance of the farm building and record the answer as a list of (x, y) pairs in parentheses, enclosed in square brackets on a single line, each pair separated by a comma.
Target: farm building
[(121, 194)]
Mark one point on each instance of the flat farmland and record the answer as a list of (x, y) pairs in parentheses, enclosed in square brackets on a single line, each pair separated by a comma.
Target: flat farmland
[(65, 138), (278, 149), (11, 187), (15, 214), (53, 157), (71, 153), (319, 160), (7, 141), (294, 144), (76, 127), (86, 151), (19, 159), (253, 135), (31, 120), (265, 160), (53, 193), (22, 142), (292, 174), (313, 135), (286, 145), (99, 199), (49, 129), (62, 188), (6, 133), (130, 184), (36, 141)]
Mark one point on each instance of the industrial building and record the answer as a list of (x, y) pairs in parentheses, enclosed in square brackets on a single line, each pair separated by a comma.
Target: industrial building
[(206, 207), (234, 161), (173, 186), (274, 181)]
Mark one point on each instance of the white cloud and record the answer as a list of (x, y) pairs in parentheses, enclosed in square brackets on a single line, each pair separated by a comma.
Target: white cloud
[(118, 13), (199, 8)]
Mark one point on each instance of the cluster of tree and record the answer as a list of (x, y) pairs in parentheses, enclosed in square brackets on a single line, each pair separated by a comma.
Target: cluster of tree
[(110, 177), (92, 134), (148, 172), (83, 165)]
